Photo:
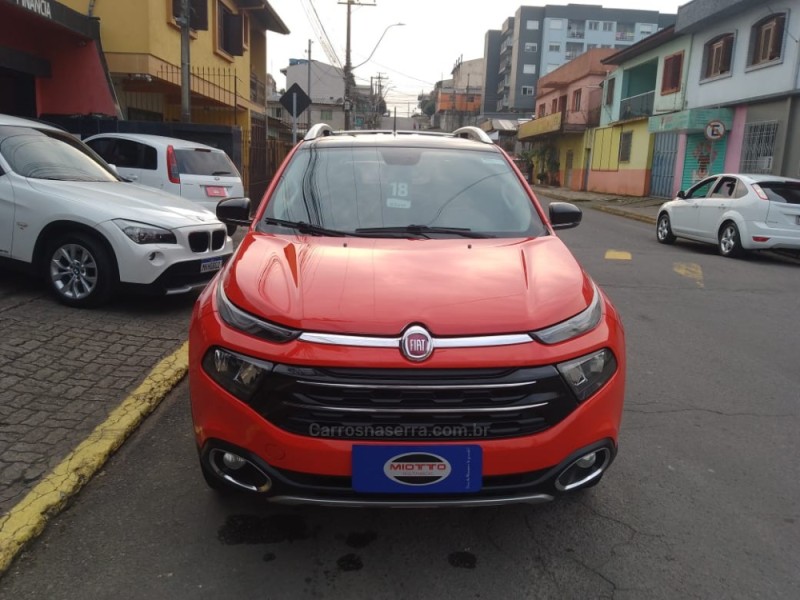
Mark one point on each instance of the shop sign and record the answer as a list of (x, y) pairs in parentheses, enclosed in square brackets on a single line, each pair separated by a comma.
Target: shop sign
[(715, 130), (40, 7)]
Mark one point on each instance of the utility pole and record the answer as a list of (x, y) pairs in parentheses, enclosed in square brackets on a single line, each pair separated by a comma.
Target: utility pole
[(308, 88), (348, 67), (186, 108)]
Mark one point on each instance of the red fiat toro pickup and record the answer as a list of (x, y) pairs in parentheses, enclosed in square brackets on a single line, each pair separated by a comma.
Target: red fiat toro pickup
[(401, 327)]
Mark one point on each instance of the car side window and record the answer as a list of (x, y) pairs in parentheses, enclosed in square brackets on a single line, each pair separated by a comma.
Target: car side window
[(103, 146), (149, 158), (725, 188), (701, 189), (126, 154)]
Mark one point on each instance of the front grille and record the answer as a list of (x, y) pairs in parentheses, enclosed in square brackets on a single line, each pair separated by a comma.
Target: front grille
[(413, 404), (201, 241)]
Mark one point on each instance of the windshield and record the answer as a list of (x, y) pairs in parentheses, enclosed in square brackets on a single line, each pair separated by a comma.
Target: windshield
[(368, 189), (200, 161), (44, 154)]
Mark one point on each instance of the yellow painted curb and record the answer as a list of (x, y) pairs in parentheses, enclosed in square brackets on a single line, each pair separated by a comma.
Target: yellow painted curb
[(28, 518)]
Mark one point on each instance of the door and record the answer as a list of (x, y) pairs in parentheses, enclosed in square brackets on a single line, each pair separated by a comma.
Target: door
[(685, 212), (665, 151), (711, 209)]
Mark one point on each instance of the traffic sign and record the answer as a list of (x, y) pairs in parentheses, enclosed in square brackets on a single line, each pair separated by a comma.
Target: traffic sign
[(299, 103)]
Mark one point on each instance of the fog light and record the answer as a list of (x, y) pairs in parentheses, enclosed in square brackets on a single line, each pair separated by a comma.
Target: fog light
[(587, 461), (233, 461)]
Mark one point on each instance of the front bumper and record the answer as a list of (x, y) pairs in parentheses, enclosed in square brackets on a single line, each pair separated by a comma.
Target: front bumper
[(286, 487)]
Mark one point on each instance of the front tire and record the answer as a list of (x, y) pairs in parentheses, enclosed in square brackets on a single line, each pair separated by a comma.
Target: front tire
[(79, 270), (730, 243), (664, 230)]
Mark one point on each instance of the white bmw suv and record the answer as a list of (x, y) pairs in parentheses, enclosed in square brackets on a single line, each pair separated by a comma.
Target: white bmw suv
[(65, 215)]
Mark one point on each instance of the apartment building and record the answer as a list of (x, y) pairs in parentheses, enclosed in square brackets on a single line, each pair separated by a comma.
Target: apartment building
[(539, 39)]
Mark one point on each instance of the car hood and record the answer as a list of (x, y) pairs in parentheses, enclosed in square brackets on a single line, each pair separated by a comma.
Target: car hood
[(118, 200), (380, 286)]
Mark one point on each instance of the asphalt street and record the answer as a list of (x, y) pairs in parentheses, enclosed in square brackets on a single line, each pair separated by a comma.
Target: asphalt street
[(702, 501)]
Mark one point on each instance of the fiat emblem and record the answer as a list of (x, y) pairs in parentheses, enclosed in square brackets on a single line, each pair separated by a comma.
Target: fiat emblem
[(416, 344)]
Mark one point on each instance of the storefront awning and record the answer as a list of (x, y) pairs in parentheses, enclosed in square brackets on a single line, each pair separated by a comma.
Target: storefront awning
[(690, 121)]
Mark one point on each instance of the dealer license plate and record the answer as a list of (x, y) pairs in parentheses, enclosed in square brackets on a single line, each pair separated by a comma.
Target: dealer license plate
[(417, 469), (210, 264)]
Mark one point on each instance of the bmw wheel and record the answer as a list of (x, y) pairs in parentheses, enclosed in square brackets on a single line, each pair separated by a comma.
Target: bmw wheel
[(730, 244), (664, 230), (80, 271)]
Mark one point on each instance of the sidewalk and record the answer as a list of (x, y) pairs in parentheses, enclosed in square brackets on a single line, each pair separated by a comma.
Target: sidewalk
[(633, 207)]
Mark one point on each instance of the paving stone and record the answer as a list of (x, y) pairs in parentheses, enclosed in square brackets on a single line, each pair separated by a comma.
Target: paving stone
[(62, 371)]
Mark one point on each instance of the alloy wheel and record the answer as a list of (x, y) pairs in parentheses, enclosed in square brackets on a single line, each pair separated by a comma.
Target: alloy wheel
[(73, 271)]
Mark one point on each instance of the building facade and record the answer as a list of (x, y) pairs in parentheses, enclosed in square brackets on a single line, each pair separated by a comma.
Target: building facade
[(538, 40), (52, 61), (458, 100), (228, 75), (567, 110), (745, 59)]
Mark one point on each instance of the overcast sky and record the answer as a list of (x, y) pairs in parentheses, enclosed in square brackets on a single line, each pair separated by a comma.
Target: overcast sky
[(413, 57)]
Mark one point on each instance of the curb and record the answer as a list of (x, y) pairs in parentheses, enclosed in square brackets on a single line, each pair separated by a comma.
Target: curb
[(28, 518), (623, 213)]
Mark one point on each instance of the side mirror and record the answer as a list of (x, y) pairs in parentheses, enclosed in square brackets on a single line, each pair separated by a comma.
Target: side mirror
[(564, 215), (682, 194), (234, 211)]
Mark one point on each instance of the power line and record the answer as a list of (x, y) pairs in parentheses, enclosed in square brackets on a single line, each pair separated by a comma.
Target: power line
[(320, 32)]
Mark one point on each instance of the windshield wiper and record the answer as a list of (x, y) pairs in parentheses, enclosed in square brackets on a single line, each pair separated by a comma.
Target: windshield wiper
[(221, 173), (304, 227), (425, 230)]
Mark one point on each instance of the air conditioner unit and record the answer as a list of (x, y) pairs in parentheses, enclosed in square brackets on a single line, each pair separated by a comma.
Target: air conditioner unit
[(764, 163)]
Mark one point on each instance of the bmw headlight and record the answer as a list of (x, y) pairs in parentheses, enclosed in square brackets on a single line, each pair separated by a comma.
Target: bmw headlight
[(244, 321), (238, 374), (574, 326), (587, 374), (142, 233)]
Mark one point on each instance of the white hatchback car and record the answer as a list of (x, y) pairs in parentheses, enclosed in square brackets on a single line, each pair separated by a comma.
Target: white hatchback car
[(736, 212), (65, 215), (194, 171)]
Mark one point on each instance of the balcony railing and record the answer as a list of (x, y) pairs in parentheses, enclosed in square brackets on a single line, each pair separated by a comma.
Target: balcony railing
[(637, 106), (576, 34), (625, 36)]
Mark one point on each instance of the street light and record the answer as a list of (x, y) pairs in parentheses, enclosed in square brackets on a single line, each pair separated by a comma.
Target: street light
[(348, 70)]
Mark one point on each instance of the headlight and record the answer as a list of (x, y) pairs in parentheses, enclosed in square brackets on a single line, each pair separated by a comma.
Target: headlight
[(589, 373), (238, 374), (575, 326), (243, 321), (142, 233)]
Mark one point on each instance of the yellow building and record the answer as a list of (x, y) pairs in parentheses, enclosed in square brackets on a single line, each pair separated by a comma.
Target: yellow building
[(622, 155), (228, 55)]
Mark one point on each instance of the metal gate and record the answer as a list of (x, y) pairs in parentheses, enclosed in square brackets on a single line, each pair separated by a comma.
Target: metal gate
[(662, 175), (703, 158)]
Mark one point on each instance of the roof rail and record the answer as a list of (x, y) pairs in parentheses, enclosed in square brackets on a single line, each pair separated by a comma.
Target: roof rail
[(473, 133), (318, 130)]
